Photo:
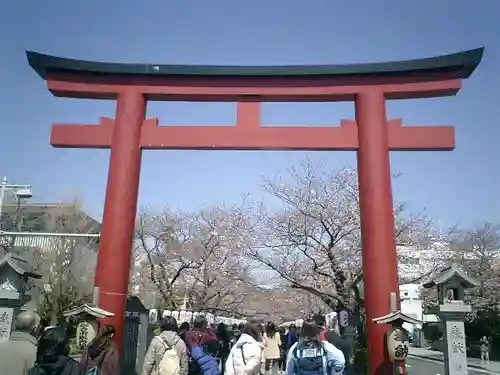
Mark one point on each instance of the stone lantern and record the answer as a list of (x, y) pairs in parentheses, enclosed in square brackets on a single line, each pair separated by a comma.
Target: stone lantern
[(397, 338), (451, 283), (88, 324), (15, 273)]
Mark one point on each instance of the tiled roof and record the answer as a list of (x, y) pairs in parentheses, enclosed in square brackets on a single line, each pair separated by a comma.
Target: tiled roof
[(19, 265), (32, 217), (448, 272)]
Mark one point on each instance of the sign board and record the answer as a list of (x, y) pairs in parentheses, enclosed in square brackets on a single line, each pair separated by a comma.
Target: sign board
[(457, 349), (344, 318), (153, 316), (86, 331), (6, 316)]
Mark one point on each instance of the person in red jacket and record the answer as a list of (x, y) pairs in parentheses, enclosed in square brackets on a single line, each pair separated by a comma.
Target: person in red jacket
[(203, 346)]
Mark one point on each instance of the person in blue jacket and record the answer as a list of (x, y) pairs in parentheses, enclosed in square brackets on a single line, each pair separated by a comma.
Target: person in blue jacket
[(291, 338), (203, 345)]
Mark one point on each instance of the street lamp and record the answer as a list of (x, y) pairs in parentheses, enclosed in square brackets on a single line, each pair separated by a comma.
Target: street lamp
[(21, 192)]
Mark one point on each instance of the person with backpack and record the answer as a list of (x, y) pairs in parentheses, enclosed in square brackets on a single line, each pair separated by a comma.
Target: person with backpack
[(246, 354), (311, 356), (167, 353), (203, 347), (52, 357), (101, 356), (333, 336)]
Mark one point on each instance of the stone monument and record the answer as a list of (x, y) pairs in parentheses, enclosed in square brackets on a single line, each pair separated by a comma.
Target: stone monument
[(451, 283), (15, 273)]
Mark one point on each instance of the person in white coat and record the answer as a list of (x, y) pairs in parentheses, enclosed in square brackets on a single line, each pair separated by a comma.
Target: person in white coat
[(311, 356), (246, 354)]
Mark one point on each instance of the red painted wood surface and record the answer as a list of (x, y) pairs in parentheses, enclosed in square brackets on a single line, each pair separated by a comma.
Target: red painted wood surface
[(247, 134), (118, 223), (380, 264), (264, 89)]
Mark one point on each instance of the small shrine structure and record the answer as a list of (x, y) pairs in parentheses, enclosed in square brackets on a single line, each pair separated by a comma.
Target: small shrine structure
[(15, 275)]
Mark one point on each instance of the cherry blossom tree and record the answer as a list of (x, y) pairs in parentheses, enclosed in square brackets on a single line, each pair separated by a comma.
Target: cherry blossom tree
[(477, 251), (281, 303), (313, 241), (200, 256)]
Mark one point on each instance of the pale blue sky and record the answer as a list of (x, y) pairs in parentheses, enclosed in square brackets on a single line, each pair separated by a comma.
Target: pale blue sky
[(459, 186)]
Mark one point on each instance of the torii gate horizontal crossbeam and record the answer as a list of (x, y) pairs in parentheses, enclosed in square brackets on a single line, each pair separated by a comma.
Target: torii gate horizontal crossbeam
[(344, 137)]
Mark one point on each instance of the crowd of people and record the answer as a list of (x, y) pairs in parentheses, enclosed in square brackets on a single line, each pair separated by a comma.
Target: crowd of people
[(246, 349), (33, 350)]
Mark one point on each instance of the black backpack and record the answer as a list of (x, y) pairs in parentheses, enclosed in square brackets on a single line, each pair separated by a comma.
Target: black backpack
[(310, 358)]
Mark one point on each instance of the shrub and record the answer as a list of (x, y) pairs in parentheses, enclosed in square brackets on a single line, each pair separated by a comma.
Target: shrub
[(432, 331)]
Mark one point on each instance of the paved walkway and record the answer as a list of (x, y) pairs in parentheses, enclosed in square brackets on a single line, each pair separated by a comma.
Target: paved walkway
[(493, 366)]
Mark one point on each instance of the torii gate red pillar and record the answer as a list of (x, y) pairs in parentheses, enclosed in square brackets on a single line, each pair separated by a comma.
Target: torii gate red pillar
[(113, 270), (377, 215), (371, 135)]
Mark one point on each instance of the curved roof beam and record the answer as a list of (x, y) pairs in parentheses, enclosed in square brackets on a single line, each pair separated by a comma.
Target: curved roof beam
[(457, 65)]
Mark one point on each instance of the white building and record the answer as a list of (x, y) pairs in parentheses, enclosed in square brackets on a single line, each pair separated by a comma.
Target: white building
[(412, 305), (415, 262)]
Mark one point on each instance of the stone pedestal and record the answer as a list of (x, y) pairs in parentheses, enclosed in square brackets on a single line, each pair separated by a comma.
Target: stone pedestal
[(453, 315)]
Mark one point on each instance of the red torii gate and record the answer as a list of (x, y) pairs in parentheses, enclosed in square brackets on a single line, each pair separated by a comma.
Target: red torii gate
[(371, 135)]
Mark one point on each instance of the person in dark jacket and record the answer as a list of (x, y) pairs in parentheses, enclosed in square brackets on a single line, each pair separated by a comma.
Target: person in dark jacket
[(291, 338), (183, 330), (203, 346), (102, 354), (283, 351), (236, 332), (52, 357), (224, 344)]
